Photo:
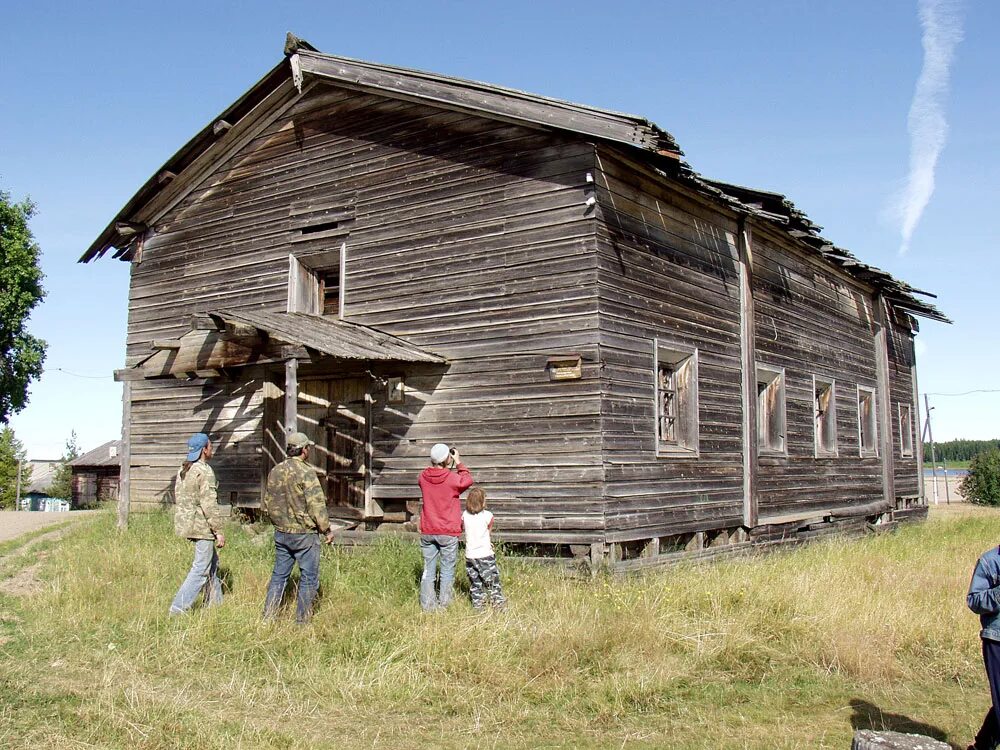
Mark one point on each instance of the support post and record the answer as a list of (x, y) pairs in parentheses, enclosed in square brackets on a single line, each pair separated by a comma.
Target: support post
[(919, 447), (884, 410), (930, 437), (20, 468), (291, 395), (125, 456), (748, 364)]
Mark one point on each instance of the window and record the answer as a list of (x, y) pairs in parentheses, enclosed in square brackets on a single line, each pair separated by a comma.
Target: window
[(676, 372), (905, 430), (867, 421), (315, 283), (825, 417), (770, 409)]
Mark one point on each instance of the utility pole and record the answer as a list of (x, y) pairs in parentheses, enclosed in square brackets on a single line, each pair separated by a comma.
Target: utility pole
[(930, 435), (17, 502)]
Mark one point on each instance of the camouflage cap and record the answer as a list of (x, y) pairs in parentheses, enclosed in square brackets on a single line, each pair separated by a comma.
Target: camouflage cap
[(299, 440)]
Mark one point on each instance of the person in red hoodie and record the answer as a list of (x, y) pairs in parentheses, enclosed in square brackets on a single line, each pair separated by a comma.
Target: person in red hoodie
[(441, 523)]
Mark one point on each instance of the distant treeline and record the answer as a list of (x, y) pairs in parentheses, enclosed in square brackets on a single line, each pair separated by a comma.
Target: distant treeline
[(959, 450)]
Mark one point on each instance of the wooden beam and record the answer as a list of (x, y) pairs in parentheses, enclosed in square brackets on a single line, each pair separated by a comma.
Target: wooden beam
[(291, 396), (125, 472), (129, 374), (207, 323), (167, 345), (884, 405), (918, 426), (221, 126), (748, 365)]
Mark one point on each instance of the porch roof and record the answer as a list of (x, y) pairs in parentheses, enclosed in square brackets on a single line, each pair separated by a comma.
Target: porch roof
[(330, 336), (224, 339)]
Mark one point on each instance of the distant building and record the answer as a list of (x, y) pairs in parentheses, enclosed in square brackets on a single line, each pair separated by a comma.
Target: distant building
[(95, 475), (36, 495)]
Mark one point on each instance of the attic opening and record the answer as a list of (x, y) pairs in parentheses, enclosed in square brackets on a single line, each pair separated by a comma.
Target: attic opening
[(320, 227), (316, 283)]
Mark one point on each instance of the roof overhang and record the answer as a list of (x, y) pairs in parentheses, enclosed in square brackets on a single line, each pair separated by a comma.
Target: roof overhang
[(224, 340), (304, 66)]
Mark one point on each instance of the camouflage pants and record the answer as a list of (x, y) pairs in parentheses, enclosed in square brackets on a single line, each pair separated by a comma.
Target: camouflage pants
[(484, 582)]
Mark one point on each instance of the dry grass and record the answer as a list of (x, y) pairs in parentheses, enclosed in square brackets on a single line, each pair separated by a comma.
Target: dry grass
[(786, 651)]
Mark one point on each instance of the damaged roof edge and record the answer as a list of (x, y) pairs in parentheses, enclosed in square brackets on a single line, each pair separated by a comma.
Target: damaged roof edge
[(512, 104), (184, 156), (778, 209)]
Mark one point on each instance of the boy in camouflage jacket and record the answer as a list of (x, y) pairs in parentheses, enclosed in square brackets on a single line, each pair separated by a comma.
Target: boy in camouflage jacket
[(198, 518)]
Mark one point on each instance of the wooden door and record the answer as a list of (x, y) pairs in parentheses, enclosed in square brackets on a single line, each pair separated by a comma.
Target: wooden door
[(335, 413)]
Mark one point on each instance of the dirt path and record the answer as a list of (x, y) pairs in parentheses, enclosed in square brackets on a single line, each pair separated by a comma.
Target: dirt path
[(13, 523)]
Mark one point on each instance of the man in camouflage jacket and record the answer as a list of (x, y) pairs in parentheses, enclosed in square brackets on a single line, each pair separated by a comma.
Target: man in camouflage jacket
[(198, 517), (296, 504)]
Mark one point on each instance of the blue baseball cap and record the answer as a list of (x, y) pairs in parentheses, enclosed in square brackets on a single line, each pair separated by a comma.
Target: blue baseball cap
[(196, 444)]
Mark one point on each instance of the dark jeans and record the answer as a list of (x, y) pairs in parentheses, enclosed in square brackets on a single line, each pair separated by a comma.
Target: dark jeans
[(288, 550), (989, 735)]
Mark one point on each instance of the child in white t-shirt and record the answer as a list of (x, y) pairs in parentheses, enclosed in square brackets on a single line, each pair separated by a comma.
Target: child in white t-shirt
[(480, 562)]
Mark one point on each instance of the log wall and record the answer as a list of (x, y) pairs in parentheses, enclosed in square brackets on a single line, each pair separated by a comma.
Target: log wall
[(668, 270), (468, 237)]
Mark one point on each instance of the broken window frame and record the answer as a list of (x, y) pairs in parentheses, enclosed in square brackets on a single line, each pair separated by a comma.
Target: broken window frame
[(772, 439), (681, 362), (825, 418), (867, 422), (308, 289), (905, 430)]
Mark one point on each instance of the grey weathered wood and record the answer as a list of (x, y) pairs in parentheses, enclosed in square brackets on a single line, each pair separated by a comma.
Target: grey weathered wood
[(885, 419), (124, 481), (291, 395), (748, 359)]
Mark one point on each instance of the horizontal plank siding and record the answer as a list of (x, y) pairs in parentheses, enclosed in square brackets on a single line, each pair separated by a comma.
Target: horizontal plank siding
[(667, 270), (469, 238)]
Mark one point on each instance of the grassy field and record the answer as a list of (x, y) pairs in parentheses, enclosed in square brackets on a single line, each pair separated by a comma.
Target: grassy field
[(792, 650)]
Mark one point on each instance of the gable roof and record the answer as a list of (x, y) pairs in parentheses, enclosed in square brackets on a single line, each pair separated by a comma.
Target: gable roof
[(108, 454), (302, 63)]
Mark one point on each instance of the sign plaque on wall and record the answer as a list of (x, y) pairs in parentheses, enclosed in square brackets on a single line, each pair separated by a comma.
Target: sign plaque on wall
[(565, 367)]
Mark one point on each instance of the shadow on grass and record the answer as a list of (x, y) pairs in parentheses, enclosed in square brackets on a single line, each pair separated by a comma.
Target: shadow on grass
[(869, 716)]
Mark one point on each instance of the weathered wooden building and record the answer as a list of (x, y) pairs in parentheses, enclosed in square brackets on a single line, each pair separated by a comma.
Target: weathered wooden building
[(633, 359), (95, 475)]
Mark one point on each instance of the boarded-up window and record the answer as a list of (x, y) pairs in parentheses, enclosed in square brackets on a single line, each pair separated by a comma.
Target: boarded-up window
[(676, 373), (905, 430), (825, 416), (770, 409), (867, 421)]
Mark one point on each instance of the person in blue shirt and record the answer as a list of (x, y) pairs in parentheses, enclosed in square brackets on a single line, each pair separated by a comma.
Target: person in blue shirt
[(984, 600)]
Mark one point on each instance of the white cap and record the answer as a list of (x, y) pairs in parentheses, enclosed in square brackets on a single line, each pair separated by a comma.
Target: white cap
[(439, 453)]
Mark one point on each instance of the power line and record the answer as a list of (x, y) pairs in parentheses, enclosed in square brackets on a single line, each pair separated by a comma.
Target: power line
[(78, 375), (966, 393)]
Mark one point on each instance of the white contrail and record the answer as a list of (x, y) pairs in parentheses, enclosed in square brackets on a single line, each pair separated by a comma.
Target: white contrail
[(942, 31)]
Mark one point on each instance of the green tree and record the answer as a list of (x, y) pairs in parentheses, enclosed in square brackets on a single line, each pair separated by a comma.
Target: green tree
[(21, 354), (982, 484), (11, 453), (62, 477)]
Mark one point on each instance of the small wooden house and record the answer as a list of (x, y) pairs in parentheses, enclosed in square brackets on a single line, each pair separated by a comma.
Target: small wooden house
[(96, 474), (634, 360)]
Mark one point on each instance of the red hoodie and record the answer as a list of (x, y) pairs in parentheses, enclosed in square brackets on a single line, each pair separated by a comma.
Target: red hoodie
[(442, 510)]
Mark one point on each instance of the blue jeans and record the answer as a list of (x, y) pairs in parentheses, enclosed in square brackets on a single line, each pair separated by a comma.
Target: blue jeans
[(288, 550), (435, 547), (204, 569)]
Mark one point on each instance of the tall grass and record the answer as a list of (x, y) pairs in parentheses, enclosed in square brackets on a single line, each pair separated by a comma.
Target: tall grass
[(783, 651)]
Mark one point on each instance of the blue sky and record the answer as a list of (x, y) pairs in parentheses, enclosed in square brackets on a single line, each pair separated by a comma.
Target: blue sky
[(808, 99)]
